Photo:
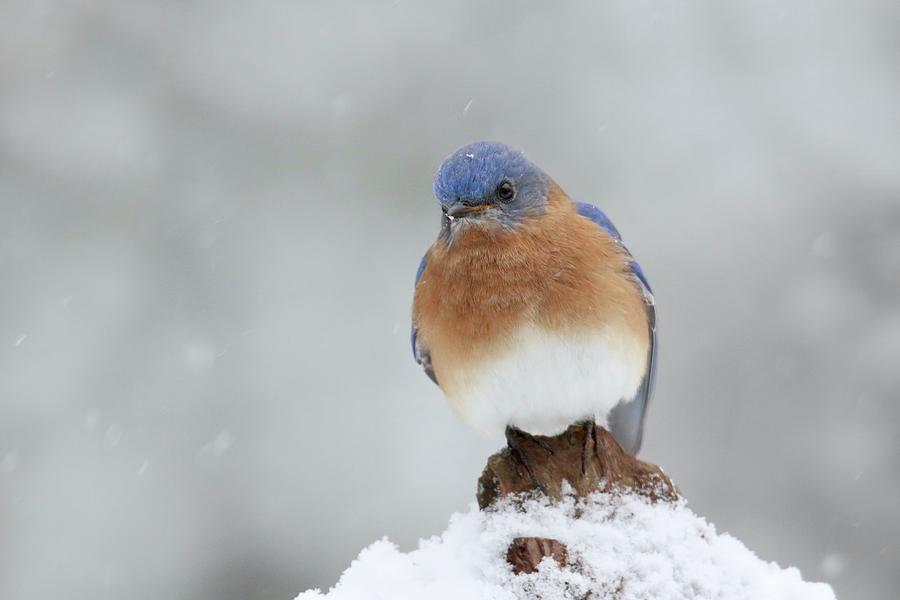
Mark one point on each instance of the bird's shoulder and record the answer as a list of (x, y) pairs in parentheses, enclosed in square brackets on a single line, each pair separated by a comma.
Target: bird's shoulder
[(599, 218)]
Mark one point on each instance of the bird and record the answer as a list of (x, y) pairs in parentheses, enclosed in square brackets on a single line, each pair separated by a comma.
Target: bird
[(529, 312)]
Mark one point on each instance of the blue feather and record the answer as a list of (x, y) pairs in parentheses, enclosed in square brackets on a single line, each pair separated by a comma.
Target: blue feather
[(627, 418), (420, 353), (599, 217), (419, 271)]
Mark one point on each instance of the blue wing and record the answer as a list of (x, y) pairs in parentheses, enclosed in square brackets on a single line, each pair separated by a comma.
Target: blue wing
[(626, 421), (420, 353)]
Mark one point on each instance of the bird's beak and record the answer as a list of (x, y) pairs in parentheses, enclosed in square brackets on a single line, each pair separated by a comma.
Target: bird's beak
[(463, 209)]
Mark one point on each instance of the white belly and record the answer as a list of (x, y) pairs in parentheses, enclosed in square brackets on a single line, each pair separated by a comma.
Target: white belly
[(547, 382)]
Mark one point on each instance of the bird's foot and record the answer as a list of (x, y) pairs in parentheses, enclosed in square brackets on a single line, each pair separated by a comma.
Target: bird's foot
[(515, 436), (514, 439), (590, 445)]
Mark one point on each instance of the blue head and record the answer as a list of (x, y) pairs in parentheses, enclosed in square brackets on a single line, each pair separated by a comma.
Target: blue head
[(491, 184)]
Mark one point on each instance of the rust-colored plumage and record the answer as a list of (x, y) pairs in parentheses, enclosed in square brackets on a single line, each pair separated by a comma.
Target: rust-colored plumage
[(559, 272)]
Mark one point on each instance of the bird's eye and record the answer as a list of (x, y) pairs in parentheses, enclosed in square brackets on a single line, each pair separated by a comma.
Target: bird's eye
[(506, 191)]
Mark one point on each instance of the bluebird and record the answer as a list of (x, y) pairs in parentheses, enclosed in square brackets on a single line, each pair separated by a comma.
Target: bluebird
[(529, 311)]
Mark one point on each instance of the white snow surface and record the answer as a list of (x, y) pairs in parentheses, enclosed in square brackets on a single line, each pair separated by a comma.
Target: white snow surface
[(620, 547)]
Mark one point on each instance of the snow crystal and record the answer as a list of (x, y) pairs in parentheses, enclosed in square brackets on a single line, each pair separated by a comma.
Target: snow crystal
[(219, 444), (621, 547), (10, 462), (833, 564), (91, 420), (112, 437), (200, 355)]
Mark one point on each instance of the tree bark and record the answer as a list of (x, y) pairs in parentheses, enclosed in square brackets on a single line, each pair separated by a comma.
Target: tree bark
[(586, 456), (526, 553)]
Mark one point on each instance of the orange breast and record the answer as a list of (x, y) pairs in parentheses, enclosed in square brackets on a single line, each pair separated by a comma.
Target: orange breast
[(558, 271)]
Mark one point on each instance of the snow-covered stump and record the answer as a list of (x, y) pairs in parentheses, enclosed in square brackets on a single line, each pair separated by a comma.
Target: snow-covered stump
[(572, 517), (582, 460), (585, 458)]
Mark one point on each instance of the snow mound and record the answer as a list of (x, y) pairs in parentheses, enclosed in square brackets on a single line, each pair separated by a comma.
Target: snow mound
[(620, 547)]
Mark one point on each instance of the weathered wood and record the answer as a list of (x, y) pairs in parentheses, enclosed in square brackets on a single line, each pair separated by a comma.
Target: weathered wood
[(585, 456), (526, 553)]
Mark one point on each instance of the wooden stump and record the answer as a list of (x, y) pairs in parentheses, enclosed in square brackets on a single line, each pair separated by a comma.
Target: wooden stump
[(585, 456), (526, 553)]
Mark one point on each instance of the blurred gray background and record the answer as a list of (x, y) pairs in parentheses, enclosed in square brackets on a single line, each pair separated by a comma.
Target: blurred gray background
[(212, 213)]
